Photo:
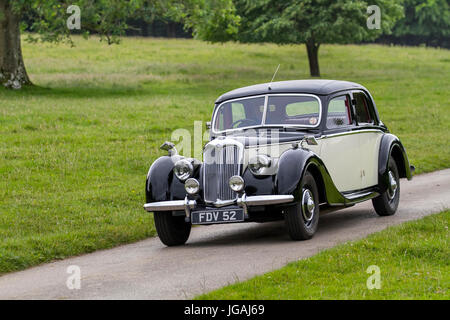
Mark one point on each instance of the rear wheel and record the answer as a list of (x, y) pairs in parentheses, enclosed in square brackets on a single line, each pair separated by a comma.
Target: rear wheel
[(302, 219), (386, 204), (172, 230)]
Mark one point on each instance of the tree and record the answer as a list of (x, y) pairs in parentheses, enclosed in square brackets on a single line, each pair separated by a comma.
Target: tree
[(312, 22), (424, 22), (47, 21), (12, 68)]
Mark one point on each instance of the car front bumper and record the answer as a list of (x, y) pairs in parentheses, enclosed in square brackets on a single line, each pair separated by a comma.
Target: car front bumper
[(242, 201)]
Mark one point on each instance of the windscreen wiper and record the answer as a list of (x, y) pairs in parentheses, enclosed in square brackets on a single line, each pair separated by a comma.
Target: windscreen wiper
[(295, 129)]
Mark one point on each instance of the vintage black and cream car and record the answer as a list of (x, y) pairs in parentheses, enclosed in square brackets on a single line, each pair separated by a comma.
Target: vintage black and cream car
[(287, 150)]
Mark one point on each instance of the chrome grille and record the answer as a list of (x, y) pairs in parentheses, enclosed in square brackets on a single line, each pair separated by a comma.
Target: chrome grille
[(222, 161)]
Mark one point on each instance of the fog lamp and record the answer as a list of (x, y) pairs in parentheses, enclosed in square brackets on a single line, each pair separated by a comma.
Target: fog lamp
[(236, 183), (192, 186)]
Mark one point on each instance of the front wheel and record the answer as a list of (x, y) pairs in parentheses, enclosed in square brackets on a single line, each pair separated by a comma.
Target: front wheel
[(302, 219), (172, 230), (386, 204)]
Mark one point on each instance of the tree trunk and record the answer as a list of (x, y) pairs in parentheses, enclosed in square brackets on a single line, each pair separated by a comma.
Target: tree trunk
[(313, 57), (12, 69)]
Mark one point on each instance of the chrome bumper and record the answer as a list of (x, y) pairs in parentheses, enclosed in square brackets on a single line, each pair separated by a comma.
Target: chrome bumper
[(243, 201), (170, 205)]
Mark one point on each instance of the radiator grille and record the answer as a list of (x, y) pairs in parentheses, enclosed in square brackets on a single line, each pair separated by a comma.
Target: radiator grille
[(223, 163)]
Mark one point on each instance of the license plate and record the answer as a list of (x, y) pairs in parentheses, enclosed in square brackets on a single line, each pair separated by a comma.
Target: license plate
[(217, 216)]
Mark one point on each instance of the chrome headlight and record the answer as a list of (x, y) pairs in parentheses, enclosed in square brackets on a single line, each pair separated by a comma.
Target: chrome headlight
[(183, 169), (192, 186), (259, 163), (236, 183)]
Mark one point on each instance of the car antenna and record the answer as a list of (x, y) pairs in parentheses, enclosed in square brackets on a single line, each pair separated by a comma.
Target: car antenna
[(274, 76)]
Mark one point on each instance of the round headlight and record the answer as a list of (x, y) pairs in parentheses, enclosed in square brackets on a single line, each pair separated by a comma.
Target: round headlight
[(236, 183), (258, 163), (183, 169), (192, 186)]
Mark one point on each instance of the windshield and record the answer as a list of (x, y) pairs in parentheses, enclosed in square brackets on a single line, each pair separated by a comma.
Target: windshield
[(281, 110)]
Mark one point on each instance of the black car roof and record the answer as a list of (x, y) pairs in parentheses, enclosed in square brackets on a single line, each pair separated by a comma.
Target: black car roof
[(318, 87)]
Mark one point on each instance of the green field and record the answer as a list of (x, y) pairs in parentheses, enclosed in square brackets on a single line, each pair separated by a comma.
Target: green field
[(75, 150), (413, 262)]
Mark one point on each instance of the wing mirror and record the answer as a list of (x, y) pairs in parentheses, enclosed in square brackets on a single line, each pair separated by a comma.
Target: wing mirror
[(170, 148), (208, 124), (309, 139)]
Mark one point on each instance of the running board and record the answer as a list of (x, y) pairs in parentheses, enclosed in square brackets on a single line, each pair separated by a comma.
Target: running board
[(359, 196)]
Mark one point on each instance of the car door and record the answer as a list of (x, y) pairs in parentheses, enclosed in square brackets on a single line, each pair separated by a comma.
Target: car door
[(340, 144), (369, 138)]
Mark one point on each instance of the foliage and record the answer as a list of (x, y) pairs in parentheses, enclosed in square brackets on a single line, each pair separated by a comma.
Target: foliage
[(108, 18), (427, 21), (212, 20), (312, 22), (323, 21)]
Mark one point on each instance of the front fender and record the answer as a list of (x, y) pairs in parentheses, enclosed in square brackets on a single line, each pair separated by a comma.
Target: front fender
[(291, 166), (391, 145), (161, 185)]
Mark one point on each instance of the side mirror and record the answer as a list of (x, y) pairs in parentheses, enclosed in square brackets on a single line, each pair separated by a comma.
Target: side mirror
[(208, 124), (311, 140), (170, 148)]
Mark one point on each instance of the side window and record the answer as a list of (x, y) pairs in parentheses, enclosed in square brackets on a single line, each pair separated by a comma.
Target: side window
[(362, 108), (339, 112)]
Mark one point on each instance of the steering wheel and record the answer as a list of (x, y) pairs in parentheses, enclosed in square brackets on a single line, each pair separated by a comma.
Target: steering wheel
[(243, 123)]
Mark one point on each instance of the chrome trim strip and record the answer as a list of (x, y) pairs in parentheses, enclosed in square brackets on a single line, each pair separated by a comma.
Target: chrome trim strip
[(348, 133), (360, 196), (266, 101), (357, 195)]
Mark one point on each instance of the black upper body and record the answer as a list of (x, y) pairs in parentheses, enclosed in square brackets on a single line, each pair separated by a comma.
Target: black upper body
[(325, 90)]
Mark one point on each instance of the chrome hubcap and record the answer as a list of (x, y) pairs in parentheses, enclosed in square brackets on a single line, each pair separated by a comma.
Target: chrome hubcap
[(392, 190), (308, 206)]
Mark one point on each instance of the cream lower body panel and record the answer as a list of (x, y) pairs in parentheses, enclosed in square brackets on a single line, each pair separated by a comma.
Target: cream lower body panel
[(340, 155), (369, 143)]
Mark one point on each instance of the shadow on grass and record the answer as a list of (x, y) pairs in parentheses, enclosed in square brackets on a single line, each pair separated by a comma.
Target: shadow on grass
[(74, 92), (108, 91)]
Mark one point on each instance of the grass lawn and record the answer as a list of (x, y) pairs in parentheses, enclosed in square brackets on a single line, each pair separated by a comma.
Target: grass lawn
[(74, 151), (413, 261)]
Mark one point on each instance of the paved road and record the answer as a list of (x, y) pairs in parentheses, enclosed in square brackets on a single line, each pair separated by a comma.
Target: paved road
[(215, 255)]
